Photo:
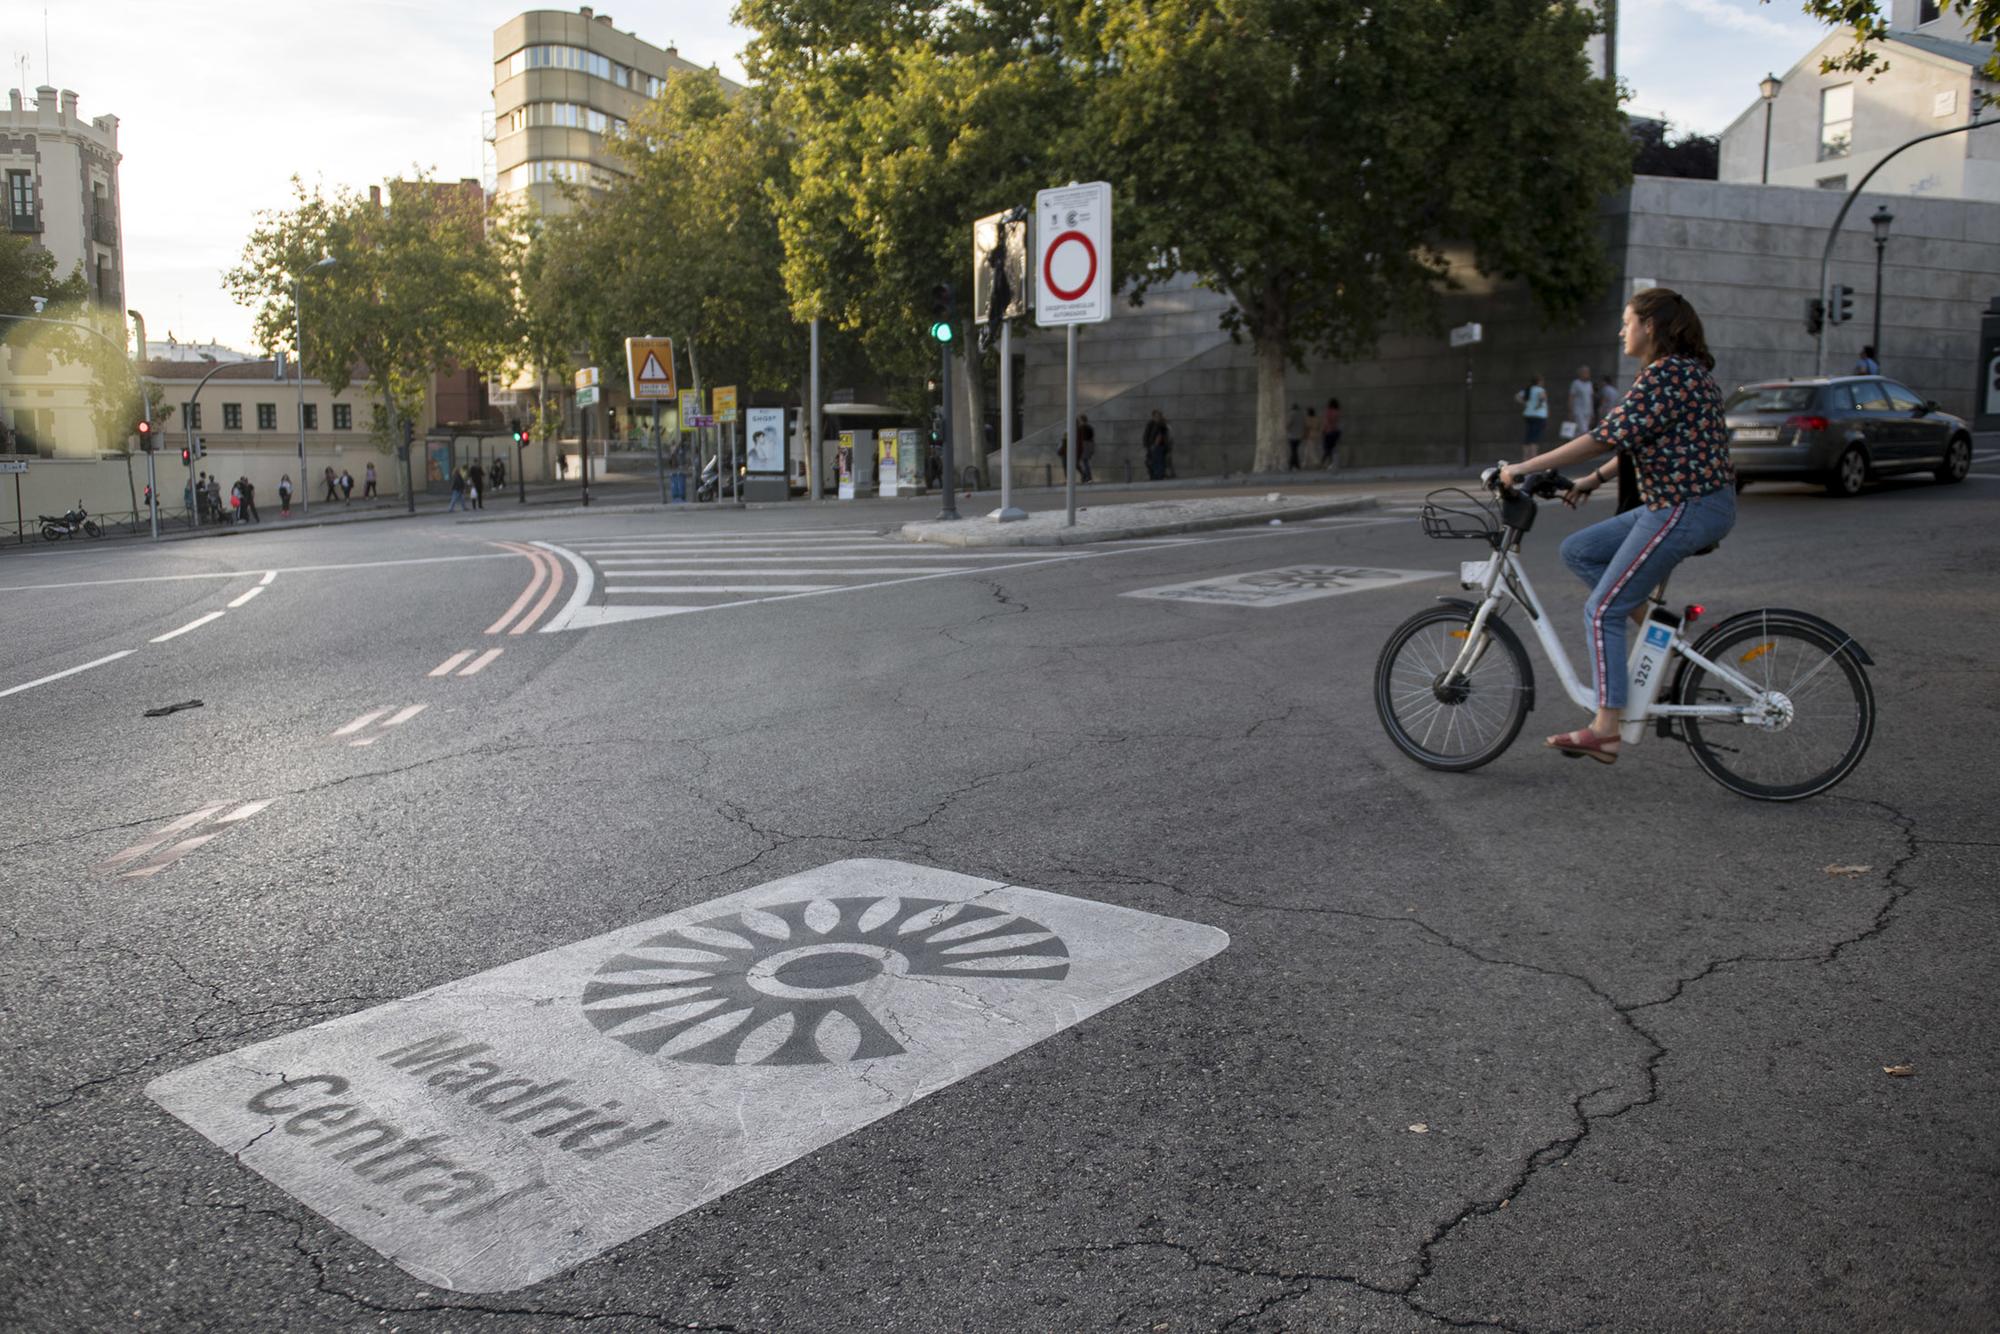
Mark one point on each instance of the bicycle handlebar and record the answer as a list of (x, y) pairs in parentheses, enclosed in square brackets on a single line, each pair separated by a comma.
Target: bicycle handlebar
[(1546, 485)]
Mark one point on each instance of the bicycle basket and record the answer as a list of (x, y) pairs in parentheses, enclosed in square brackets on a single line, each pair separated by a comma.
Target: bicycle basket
[(1456, 513)]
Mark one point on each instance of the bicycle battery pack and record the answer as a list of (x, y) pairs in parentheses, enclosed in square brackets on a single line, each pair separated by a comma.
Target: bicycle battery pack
[(1648, 669)]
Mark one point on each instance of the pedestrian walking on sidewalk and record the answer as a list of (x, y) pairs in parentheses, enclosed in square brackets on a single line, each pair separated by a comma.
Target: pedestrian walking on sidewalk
[(1329, 433), (476, 475), (249, 493), (1866, 364), (285, 496), (499, 474), (1534, 401), (346, 487), (235, 501), (1086, 445), (1607, 397), (215, 499), (1582, 404), (1295, 433), (562, 465), (457, 490), (368, 482), (1157, 440), (332, 487)]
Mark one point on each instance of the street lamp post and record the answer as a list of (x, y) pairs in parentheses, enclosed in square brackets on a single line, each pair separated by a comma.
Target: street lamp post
[(299, 355), (1768, 87), (1880, 221)]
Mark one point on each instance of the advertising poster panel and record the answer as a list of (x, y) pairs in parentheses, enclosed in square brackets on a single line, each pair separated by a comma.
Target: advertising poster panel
[(764, 439)]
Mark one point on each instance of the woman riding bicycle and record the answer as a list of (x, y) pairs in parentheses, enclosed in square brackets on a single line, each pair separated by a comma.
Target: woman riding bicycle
[(1669, 430)]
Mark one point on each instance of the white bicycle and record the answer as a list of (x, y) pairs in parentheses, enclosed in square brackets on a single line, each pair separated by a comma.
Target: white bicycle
[(1774, 704)]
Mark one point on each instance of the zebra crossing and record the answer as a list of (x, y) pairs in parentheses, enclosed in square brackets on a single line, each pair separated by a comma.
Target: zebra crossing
[(672, 574)]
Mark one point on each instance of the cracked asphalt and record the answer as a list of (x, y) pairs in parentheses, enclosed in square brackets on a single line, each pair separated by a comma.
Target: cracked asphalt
[(1541, 1047)]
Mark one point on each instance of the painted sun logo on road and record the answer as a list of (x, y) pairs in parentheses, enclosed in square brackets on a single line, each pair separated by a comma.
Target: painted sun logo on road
[(800, 983)]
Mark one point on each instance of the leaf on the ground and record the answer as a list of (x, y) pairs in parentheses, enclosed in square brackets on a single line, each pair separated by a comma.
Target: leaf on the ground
[(1420, 1129), (1847, 870), (1899, 1071)]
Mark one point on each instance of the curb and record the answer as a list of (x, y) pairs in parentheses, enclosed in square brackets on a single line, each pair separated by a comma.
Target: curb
[(994, 536)]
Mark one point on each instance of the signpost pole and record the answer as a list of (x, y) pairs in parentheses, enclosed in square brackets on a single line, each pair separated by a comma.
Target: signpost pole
[(1007, 513), (1465, 442), (20, 522), (659, 454), (583, 452), (735, 477), (950, 510), (813, 488), (1071, 444)]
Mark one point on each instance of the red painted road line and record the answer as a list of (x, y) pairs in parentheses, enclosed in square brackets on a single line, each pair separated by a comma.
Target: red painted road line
[(548, 597), (527, 594), (169, 857), (246, 810), (446, 667), (160, 836), (359, 723), (480, 663)]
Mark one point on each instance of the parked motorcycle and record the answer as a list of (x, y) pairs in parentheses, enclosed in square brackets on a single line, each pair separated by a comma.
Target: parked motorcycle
[(706, 485), (76, 521)]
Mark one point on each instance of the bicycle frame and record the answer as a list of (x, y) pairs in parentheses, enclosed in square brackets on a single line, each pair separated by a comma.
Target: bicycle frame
[(1501, 578)]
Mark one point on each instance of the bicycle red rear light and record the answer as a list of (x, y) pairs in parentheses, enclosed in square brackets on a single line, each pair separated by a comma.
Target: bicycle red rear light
[(1693, 612), (1807, 423)]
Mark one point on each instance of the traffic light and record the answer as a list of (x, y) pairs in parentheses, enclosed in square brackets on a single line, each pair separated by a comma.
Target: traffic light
[(527, 436), (187, 456), (1815, 315), (515, 424), (1843, 305), (942, 316), (146, 442), (200, 448)]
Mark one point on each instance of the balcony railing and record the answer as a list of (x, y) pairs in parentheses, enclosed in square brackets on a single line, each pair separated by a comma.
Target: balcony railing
[(103, 230), (23, 222)]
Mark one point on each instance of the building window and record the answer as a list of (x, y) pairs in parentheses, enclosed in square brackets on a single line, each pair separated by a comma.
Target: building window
[(343, 417), (559, 57), (232, 416), (267, 416), (21, 201), (191, 414), (567, 114), (1836, 121), (1928, 11), (309, 416), (1831, 182)]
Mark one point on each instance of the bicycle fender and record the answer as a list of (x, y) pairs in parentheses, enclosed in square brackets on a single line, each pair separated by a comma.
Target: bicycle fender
[(1497, 627), (1819, 623)]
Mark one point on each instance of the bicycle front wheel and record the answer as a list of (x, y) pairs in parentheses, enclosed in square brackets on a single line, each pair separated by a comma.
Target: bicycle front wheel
[(1447, 722), (1822, 709)]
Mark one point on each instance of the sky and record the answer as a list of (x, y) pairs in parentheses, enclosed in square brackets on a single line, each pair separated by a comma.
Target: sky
[(221, 102)]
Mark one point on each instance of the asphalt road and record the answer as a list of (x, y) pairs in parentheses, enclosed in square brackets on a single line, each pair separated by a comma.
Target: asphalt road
[(1547, 1046)]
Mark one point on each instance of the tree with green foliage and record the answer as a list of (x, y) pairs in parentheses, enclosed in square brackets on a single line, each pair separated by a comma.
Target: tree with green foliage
[(1315, 162), (909, 120), (1869, 27), (416, 287)]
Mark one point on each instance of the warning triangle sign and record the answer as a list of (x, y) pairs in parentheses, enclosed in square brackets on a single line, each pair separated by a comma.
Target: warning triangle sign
[(652, 372)]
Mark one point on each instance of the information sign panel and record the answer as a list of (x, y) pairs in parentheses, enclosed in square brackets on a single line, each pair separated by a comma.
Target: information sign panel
[(1011, 265), (1073, 255), (690, 409), (587, 397), (649, 368), (586, 378), (722, 402)]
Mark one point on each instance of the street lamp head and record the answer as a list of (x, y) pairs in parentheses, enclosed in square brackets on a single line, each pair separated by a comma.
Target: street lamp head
[(326, 262), (1880, 221), (1769, 85)]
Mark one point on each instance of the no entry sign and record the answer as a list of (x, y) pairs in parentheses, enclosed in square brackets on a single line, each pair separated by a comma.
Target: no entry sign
[(1073, 254)]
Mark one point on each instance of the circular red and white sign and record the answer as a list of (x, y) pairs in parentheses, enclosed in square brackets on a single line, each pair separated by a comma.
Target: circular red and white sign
[(1064, 246)]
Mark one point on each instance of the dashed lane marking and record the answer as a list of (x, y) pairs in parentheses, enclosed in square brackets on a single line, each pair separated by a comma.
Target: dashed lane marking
[(480, 663), (349, 729), (194, 624), (158, 860), (450, 664), (68, 671), (368, 721)]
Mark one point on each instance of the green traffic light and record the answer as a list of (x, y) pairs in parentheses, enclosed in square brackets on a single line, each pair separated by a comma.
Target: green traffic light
[(941, 331)]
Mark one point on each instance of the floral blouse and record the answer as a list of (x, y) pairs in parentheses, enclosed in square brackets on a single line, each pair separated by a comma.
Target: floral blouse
[(1669, 430)]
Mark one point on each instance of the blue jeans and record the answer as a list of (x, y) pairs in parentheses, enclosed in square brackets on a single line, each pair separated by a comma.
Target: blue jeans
[(1623, 559), (457, 502)]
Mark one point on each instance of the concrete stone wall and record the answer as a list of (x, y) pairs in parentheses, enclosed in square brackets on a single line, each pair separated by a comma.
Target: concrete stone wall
[(1747, 256)]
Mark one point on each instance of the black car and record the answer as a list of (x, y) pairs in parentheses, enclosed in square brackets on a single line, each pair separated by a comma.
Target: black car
[(1842, 432)]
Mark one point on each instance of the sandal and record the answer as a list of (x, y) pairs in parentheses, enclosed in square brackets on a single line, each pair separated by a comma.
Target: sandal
[(1583, 742)]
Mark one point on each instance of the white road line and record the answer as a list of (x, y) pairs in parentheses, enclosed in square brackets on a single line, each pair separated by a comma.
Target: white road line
[(246, 810), (1985, 476), (194, 624), (720, 588), (71, 671), (238, 574), (160, 836), (269, 575), (479, 663), (916, 551), (404, 715), (359, 723), (246, 597), (445, 668), (586, 582), (768, 569)]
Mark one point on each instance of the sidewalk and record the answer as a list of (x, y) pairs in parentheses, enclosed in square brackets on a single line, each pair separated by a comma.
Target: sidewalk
[(1151, 518)]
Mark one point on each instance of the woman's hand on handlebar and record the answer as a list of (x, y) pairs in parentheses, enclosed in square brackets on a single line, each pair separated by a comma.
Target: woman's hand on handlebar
[(1580, 491)]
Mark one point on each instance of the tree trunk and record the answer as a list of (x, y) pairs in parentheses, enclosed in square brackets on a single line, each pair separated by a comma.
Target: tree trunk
[(1271, 443)]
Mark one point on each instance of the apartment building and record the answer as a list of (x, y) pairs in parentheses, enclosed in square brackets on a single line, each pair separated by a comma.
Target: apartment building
[(563, 84), (61, 175)]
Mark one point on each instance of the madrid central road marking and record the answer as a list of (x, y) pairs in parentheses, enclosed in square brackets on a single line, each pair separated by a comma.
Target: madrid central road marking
[(496, 1130), (479, 663), (1280, 587), (379, 720)]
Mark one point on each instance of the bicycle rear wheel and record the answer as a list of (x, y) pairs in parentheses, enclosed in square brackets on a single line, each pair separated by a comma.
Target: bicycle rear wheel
[(1448, 724), (1825, 702)]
